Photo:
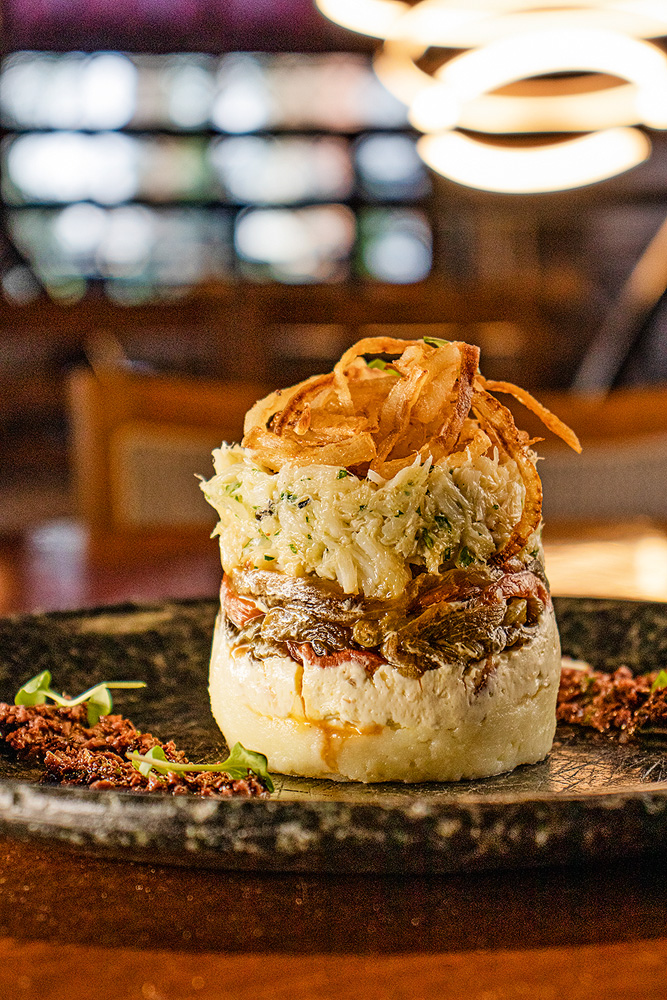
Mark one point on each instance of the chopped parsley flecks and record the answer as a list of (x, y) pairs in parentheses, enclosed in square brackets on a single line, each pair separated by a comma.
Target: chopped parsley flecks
[(426, 538), (466, 557)]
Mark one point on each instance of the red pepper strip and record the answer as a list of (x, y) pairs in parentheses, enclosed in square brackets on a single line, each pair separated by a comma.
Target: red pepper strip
[(304, 653), (524, 584), (240, 610), (453, 590)]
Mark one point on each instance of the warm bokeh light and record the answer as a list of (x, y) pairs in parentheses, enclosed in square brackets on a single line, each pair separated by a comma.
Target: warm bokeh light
[(608, 107), (478, 22), (376, 18), (477, 72), (555, 167)]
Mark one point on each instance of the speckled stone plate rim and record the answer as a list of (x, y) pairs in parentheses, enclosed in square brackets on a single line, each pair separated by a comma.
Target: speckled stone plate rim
[(410, 832), (338, 837)]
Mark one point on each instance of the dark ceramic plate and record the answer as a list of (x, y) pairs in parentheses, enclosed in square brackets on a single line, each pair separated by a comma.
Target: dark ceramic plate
[(593, 798)]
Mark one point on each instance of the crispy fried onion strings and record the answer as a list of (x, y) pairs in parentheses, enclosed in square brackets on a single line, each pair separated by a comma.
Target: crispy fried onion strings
[(415, 404), (549, 419)]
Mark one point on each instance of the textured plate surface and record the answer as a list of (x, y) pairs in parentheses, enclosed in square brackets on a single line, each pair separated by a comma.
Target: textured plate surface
[(592, 798)]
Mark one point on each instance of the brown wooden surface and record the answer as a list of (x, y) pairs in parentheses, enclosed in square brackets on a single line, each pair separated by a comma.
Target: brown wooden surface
[(73, 926)]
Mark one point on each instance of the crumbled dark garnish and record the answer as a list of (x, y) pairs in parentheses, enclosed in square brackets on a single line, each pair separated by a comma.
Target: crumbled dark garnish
[(73, 753), (619, 702)]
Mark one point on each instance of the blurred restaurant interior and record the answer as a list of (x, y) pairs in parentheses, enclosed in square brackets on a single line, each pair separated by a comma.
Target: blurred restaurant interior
[(202, 202)]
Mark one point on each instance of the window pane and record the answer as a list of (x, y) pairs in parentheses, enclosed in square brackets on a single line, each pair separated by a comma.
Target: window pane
[(390, 169), (71, 91), (338, 92), (275, 171), (70, 166), (166, 247), (395, 244), (104, 189), (296, 246), (174, 91), (107, 167)]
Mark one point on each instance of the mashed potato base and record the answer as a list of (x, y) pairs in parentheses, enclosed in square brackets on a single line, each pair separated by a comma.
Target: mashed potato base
[(340, 723)]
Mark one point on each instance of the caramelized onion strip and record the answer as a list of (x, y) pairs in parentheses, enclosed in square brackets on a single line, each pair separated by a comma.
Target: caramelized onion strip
[(450, 430), (549, 419), (497, 418)]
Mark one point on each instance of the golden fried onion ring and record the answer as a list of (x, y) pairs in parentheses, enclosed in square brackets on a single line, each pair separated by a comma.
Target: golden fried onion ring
[(549, 419)]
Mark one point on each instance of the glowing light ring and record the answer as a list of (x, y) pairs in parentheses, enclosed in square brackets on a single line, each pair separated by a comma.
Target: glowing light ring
[(586, 112), (438, 22), (522, 39), (476, 72), (562, 166)]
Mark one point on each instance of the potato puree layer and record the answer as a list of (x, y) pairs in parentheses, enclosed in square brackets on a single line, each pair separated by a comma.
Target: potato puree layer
[(340, 723)]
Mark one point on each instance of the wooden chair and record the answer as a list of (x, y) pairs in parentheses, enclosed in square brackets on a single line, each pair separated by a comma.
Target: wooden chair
[(138, 443), (622, 471)]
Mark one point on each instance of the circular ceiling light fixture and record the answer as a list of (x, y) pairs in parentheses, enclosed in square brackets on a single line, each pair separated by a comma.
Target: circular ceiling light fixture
[(513, 83)]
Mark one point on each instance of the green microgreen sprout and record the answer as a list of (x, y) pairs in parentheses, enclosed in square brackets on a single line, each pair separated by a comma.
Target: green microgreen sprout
[(237, 765), (435, 341), (660, 683), (342, 474), (98, 698), (466, 557)]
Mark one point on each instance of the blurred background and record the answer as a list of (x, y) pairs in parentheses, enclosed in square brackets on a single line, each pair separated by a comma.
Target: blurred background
[(202, 200)]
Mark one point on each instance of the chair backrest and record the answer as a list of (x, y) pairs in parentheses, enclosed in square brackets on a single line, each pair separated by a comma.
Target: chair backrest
[(622, 471), (138, 443)]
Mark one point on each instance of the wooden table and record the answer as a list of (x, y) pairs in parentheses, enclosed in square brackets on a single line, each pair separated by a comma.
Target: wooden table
[(72, 926)]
